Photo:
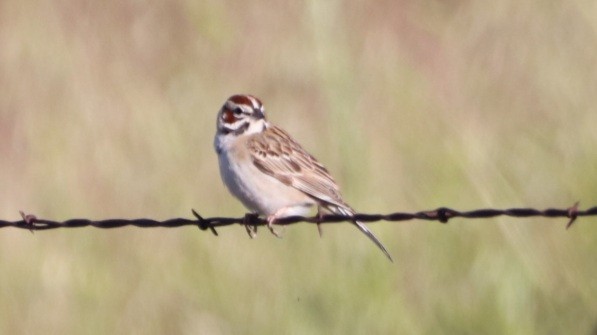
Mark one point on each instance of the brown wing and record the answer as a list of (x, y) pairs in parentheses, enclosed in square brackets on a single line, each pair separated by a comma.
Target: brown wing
[(276, 154)]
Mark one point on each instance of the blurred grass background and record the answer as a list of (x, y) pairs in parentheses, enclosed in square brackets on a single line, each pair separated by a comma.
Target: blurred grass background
[(107, 110)]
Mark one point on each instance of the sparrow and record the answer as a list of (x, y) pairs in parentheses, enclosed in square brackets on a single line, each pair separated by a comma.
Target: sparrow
[(270, 172)]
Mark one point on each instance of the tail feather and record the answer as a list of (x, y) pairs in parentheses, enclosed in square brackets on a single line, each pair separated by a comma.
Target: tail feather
[(373, 238), (363, 228)]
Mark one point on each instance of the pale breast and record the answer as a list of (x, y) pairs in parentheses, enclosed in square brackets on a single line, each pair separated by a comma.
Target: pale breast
[(258, 191)]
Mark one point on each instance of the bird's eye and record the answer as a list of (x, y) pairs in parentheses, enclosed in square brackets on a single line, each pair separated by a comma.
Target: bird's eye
[(237, 111)]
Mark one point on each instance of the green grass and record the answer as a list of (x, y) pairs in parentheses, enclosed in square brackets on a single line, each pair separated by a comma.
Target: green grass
[(107, 110)]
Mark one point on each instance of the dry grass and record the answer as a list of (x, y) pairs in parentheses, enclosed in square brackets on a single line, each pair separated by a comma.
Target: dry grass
[(107, 109)]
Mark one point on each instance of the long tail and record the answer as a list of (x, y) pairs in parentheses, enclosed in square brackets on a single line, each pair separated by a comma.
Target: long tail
[(373, 238), (362, 227)]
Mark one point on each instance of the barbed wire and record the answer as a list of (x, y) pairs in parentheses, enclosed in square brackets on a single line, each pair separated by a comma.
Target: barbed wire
[(251, 221)]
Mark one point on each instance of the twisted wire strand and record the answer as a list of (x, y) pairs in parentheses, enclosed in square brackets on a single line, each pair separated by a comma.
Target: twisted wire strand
[(442, 214)]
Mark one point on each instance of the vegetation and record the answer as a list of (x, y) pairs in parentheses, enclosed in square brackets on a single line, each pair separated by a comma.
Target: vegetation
[(107, 110)]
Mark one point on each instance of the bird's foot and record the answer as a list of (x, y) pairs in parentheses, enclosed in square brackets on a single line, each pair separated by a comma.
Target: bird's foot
[(270, 224), (249, 225)]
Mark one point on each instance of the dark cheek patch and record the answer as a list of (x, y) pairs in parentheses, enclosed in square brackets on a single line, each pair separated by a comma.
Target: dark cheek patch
[(228, 116)]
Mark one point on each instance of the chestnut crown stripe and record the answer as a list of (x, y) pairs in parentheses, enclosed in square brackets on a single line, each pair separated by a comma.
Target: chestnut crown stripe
[(245, 100)]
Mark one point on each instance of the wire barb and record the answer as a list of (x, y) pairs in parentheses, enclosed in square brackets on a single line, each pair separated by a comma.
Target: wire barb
[(252, 221), (572, 214), (203, 224)]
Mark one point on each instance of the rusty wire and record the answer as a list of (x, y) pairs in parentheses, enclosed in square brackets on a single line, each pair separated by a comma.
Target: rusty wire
[(31, 222)]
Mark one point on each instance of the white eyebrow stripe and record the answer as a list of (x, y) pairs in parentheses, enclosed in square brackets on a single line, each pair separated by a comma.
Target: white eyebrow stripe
[(254, 101)]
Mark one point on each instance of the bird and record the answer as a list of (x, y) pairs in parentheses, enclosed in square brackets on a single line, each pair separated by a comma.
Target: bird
[(270, 172)]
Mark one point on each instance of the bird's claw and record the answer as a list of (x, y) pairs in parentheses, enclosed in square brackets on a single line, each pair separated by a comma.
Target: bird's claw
[(270, 226), (249, 226)]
